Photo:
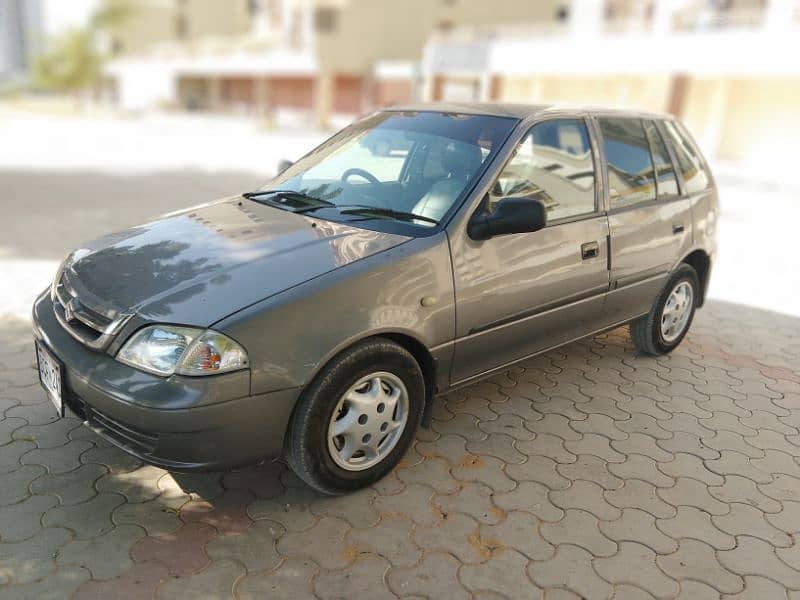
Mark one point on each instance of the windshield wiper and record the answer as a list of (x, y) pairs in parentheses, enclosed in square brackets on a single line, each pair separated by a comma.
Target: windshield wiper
[(378, 211), (309, 202)]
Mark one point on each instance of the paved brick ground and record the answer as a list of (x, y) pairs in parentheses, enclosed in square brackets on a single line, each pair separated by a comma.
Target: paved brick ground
[(588, 471)]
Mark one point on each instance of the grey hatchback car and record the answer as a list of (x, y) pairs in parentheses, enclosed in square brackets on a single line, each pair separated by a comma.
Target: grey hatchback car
[(418, 250)]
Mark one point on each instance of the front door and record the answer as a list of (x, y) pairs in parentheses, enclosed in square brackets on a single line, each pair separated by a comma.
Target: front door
[(519, 294), (650, 221)]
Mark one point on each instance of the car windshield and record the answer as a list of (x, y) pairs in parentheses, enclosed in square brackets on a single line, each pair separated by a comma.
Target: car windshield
[(403, 167)]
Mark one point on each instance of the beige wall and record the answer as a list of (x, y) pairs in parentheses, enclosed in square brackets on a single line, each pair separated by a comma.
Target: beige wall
[(761, 122), (646, 93), (154, 21), (371, 30)]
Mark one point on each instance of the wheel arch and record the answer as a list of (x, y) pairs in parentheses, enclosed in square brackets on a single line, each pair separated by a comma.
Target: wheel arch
[(700, 261), (418, 350)]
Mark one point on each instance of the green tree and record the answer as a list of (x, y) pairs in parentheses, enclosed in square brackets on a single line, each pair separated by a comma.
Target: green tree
[(73, 61)]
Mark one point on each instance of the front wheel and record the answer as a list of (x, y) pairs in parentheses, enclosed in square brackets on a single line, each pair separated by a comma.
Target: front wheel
[(662, 329), (357, 418)]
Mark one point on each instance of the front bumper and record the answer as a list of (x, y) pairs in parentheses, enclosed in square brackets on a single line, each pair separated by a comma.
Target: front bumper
[(178, 423)]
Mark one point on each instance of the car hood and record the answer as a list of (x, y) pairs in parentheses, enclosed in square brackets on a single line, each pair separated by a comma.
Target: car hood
[(197, 266)]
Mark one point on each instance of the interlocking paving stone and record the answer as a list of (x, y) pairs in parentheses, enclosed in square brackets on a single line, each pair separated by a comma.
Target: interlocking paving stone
[(363, 580), (504, 572), (753, 556), (414, 501), (691, 522), (532, 497), (153, 516), (570, 568), (435, 576), (87, 519), (474, 499), (16, 484), (292, 580), (332, 555), (105, 556), (697, 561), (586, 472), (217, 581), (539, 469), (457, 534), (8, 426), (487, 470), (434, 472), (183, 552), (635, 564), (640, 494), (115, 459), (29, 560), (60, 459), (23, 520), (744, 519), (57, 585), (138, 582), (390, 538), (691, 492), (519, 531), (139, 485), (579, 528), (73, 487), (588, 496)]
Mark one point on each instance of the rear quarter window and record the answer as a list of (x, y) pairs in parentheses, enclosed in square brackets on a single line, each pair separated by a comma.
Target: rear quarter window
[(690, 164)]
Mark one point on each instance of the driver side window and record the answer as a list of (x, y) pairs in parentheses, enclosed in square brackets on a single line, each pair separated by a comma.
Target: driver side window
[(553, 164)]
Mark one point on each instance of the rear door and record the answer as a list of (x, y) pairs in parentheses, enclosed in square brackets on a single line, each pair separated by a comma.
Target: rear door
[(649, 220), (522, 293)]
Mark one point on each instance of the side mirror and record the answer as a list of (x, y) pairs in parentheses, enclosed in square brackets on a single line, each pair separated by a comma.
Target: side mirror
[(283, 164), (511, 215)]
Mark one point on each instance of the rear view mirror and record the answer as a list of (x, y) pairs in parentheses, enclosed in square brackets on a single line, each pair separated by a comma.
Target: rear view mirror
[(284, 164), (511, 215)]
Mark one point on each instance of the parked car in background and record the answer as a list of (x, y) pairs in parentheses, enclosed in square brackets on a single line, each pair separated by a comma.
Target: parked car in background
[(418, 250)]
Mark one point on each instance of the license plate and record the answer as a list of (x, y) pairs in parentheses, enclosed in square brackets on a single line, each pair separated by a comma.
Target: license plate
[(50, 376)]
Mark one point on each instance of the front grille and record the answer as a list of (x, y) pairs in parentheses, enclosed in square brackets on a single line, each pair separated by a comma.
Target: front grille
[(89, 326)]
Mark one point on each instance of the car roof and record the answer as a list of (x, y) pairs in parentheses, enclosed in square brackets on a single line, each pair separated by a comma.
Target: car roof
[(520, 111)]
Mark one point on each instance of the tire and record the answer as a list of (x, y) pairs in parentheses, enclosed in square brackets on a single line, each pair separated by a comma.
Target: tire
[(317, 456), (647, 333)]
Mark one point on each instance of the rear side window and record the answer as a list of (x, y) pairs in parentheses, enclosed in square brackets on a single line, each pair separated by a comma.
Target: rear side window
[(666, 182), (554, 164), (692, 168), (631, 178)]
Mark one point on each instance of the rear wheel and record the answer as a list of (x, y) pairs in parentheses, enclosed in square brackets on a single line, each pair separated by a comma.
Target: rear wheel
[(356, 419), (662, 329)]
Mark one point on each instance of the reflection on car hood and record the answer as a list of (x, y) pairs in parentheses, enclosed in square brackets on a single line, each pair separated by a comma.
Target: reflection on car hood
[(197, 266)]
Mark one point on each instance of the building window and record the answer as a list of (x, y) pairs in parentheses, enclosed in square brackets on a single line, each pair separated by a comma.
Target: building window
[(325, 19)]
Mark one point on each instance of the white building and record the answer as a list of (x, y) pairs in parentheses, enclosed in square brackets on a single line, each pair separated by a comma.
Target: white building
[(729, 69)]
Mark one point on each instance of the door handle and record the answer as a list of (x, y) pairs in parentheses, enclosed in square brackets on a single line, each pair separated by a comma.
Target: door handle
[(677, 228), (590, 250)]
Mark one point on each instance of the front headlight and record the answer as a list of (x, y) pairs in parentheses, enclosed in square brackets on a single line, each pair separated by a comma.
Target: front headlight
[(168, 349)]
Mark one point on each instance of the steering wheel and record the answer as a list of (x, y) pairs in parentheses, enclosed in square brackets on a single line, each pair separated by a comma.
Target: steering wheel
[(361, 173)]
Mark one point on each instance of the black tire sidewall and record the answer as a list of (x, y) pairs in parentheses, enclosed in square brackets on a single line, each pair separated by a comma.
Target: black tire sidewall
[(321, 398), (684, 273)]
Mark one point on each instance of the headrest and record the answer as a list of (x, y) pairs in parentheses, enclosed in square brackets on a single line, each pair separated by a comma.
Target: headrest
[(461, 160)]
